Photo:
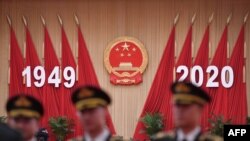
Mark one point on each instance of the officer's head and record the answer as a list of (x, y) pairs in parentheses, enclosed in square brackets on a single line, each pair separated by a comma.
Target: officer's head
[(91, 103), (189, 101), (24, 113)]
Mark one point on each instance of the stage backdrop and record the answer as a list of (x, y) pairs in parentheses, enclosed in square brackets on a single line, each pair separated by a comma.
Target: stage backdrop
[(101, 21)]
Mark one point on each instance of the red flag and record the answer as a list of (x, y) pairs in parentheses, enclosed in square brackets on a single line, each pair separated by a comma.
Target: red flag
[(202, 61), (159, 97), (237, 99), (32, 60), (87, 75), (68, 61), (218, 105), (185, 57), (16, 66), (51, 94)]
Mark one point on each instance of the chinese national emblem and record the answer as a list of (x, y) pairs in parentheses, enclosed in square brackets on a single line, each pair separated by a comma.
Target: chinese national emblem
[(126, 59)]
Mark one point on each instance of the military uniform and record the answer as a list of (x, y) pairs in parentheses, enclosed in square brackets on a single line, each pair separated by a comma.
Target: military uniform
[(90, 97), (8, 134), (24, 106), (109, 138), (187, 93), (172, 136)]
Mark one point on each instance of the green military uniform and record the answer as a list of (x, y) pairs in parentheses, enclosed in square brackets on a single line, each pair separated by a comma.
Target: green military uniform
[(187, 93), (89, 97), (171, 136)]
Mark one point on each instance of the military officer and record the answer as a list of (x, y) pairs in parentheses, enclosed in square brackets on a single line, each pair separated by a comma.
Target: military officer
[(24, 113), (188, 104), (91, 103)]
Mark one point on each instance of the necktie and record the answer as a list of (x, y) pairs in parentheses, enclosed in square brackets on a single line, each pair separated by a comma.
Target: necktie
[(184, 140)]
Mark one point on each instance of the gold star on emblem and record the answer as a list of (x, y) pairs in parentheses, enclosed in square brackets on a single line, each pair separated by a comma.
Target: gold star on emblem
[(134, 49), (125, 46), (117, 49), (122, 54), (129, 54)]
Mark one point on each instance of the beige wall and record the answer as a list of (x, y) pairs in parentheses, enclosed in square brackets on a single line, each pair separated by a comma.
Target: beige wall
[(103, 20)]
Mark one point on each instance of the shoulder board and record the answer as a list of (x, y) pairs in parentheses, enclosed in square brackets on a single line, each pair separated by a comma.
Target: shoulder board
[(76, 139), (209, 137), (161, 135), (116, 138)]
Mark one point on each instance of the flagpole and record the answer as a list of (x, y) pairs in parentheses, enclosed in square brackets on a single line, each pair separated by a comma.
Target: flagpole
[(192, 43), (176, 19), (77, 46), (60, 50), (245, 44), (210, 19), (245, 51), (44, 25), (228, 45), (25, 24), (9, 23), (24, 44)]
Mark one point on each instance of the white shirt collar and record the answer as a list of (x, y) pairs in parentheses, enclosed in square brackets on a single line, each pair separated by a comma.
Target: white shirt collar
[(102, 137), (190, 136)]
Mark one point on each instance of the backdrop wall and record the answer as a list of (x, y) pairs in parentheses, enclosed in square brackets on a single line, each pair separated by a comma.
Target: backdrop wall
[(101, 21)]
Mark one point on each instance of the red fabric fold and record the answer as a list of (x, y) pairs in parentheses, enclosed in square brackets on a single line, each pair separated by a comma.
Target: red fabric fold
[(67, 106), (218, 105), (16, 83), (51, 95), (185, 57), (159, 97), (237, 98), (32, 60), (202, 60), (86, 72)]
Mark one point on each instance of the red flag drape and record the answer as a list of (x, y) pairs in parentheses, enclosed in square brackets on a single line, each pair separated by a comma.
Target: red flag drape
[(218, 105), (51, 95), (32, 60), (67, 106), (159, 97), (86, 72), (237, 100), (16, 84), (185, 57), (202, 61)]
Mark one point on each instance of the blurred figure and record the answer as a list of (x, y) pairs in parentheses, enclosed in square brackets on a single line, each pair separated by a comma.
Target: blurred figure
[(24, 113), (189, 101), (8, 134), (42, 135), (91, 103)]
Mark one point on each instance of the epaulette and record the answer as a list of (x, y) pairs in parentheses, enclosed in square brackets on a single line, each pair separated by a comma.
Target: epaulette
[(209, 137), (116, 138), (164, 135), (76, 139)]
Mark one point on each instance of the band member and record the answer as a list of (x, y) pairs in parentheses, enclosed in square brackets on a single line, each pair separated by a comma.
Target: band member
[(24, 113), (91, 103), (188, 104)]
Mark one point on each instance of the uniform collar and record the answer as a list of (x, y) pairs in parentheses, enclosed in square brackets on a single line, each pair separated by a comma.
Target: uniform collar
[(102, 137), (191, 136)]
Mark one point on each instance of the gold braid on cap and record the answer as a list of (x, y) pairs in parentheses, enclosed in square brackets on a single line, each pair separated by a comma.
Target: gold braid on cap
[(189, 98), (90, 103), (24, 112)]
